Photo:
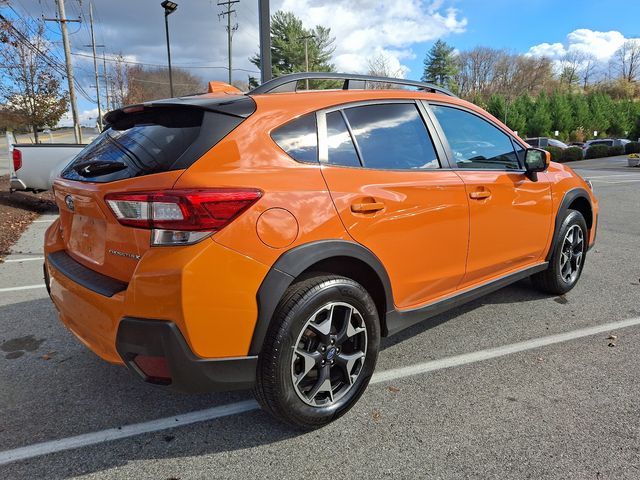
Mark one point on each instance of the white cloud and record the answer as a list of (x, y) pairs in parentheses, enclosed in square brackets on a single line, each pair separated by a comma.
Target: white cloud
[(601, 45), (365, 28), (88, 118)]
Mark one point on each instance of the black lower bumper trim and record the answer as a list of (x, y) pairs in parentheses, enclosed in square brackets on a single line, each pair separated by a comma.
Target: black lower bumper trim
[(188, 373), (84, 276)]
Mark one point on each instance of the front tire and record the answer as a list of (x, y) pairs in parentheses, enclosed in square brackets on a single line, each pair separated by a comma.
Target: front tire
[(567, 261), (319, 353)]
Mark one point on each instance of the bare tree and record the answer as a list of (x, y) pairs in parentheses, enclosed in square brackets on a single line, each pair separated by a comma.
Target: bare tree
[(627, 59), (145, 84), (588, 69), (118, 81), (30, 87), (380, 66), (477, 69)]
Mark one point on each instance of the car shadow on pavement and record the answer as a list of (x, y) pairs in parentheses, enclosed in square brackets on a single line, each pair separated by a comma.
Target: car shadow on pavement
[(519, 292), (56, 389)]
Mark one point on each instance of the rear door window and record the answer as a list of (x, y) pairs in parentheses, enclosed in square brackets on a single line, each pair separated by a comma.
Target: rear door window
[(392, 136), (299, 138), (341, 149)]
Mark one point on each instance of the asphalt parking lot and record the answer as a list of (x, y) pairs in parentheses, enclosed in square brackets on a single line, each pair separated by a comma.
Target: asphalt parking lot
[(514, 385)]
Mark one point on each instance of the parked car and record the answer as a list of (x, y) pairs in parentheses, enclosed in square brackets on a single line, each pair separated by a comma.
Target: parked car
[(542, 142), (269, 240), (609, 142), (33, 166), (577, 144)]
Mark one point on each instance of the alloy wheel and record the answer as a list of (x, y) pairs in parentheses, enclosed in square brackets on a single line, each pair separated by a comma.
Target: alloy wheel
[(571, 254), (329, 354)]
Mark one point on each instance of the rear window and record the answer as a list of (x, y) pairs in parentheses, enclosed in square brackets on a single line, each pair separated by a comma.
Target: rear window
[(152, 141)]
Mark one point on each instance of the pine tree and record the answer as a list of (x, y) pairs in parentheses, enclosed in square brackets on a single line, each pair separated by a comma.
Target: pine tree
[(539, 123), (561, 115), (440, 65), (287, 46)]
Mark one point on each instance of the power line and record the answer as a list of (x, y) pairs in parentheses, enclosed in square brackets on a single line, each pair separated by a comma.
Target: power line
[(159, 65)]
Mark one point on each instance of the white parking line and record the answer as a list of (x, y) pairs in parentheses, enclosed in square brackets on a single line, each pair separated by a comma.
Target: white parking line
[(31, 259), (126, 431), (45, 220), (26, 287)]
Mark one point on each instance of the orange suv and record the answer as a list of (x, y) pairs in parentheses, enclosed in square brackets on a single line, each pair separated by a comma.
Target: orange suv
[(269, 240)]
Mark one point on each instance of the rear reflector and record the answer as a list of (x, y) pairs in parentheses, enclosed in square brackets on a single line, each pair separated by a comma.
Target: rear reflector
[(17, 159), (173, 214), (156, 369)]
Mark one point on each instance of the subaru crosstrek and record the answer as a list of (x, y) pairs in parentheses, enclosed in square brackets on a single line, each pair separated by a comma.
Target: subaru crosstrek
[(270, 239)]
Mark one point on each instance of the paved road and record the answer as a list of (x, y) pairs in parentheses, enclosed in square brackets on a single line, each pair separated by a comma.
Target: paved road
[(515, 385)]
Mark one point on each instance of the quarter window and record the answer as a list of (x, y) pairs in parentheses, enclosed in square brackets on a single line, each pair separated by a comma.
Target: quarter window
[(392, 136), (299, 138), (475, 143)]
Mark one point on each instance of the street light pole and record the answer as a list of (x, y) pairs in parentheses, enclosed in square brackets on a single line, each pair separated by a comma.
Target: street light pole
[(169, 8), (306, 55)]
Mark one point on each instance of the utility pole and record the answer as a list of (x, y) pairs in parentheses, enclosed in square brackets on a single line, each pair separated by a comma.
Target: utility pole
[(67, 55), (264, 17), (230, 29), (106, 78), (95, 66), (306, 55)]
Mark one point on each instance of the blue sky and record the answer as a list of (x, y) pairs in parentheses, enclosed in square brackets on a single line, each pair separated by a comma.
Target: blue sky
[(521, 25), (401, 30)]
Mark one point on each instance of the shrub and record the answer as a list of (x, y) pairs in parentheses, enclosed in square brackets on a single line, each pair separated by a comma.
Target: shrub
[(617, 150), (632, 147), (556, 153), (571, 154), (597, 151)]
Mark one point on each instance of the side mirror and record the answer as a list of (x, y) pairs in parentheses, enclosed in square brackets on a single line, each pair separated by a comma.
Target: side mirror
[(536, 160)]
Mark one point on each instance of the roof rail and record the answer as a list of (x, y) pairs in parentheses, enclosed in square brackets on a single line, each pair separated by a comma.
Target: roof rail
[(289, 83)]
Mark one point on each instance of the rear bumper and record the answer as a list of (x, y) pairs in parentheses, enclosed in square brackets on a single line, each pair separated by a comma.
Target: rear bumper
[(16, 184), (188, 373)]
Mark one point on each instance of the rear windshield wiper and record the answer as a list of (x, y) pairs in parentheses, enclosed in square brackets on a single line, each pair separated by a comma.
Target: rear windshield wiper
[(95, 168)]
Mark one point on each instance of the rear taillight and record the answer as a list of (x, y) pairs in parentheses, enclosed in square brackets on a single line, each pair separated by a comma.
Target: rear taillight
[(179, 217), (17, 159)]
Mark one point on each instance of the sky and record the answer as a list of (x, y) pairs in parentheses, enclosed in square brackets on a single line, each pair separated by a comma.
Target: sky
[(401, 30)]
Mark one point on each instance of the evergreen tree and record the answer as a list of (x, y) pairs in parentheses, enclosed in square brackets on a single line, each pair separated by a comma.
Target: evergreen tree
[(561, 115), (598, 115), (497, 106), (580, 111), (441, 65), (287, 46), (539, 123)]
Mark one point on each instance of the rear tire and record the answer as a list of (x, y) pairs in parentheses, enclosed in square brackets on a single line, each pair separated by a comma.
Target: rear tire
[(567, 261), (319, 353)]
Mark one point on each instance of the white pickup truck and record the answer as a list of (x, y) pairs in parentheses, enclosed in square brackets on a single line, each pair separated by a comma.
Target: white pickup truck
[(34, 166)]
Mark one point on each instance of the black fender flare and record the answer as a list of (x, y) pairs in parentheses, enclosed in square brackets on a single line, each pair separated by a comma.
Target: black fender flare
[(567, 200), (292, 263)]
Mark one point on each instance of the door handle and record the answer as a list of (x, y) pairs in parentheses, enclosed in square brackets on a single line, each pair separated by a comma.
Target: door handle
[(368, 207), (479, 195)]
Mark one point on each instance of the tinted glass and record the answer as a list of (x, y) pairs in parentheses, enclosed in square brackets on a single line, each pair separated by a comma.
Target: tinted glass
[(340, 145), (602, 142), (392, 136), (476, 143), (534, 142), (299, 138), (152, 141)]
